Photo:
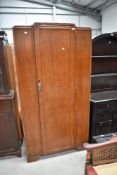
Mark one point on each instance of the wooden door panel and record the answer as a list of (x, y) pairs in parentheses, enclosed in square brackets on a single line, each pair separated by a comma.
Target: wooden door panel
[(83, 55), (7, 134), (55, 60), (26, 71), (9, 141)]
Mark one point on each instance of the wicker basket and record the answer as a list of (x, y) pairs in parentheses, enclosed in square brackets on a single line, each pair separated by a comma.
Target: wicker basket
[(107, 154)]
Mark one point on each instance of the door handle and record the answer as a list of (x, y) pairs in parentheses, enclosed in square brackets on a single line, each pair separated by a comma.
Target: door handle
[(39, 86)]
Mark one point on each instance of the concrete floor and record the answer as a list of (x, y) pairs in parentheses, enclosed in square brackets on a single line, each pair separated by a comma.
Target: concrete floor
[(67, 163)]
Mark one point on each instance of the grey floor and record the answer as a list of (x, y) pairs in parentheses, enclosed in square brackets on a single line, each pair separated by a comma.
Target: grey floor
[(67, 163)]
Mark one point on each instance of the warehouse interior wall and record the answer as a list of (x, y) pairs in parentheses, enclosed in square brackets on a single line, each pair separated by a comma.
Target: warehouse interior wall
[(109, 19), (31, 13)]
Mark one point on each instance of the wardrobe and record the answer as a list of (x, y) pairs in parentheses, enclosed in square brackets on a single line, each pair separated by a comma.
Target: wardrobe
[(53, 64)]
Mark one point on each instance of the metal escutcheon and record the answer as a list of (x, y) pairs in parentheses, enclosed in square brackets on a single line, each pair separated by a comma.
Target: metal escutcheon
[(39, 85)]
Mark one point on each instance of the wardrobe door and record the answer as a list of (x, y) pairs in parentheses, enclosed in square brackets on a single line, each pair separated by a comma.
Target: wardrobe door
[(55, 62), (26, 71), (83, 55)]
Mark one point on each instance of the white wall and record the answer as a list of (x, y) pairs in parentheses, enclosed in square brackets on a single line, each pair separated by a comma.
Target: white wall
[(7, 21), (109, 19)]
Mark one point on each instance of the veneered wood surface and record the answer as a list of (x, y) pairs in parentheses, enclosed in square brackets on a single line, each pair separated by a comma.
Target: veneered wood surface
[(25, 62), (83, 57), (8, 136), (55, 61)]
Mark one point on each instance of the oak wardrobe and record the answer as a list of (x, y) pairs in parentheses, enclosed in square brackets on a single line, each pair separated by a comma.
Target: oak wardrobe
[(53, 65)]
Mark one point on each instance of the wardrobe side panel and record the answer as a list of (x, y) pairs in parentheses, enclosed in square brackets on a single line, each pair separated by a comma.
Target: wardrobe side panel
[(83, 57), (26, 70)]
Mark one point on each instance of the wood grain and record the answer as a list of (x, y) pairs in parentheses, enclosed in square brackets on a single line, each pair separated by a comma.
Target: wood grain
[(55, 61), (83, 56), (25, 62), (54, 66)]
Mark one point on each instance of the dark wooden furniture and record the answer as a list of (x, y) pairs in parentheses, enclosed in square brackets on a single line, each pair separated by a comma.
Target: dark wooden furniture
[(12, 72), (53, 64), (104, 87), (9, 143)]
